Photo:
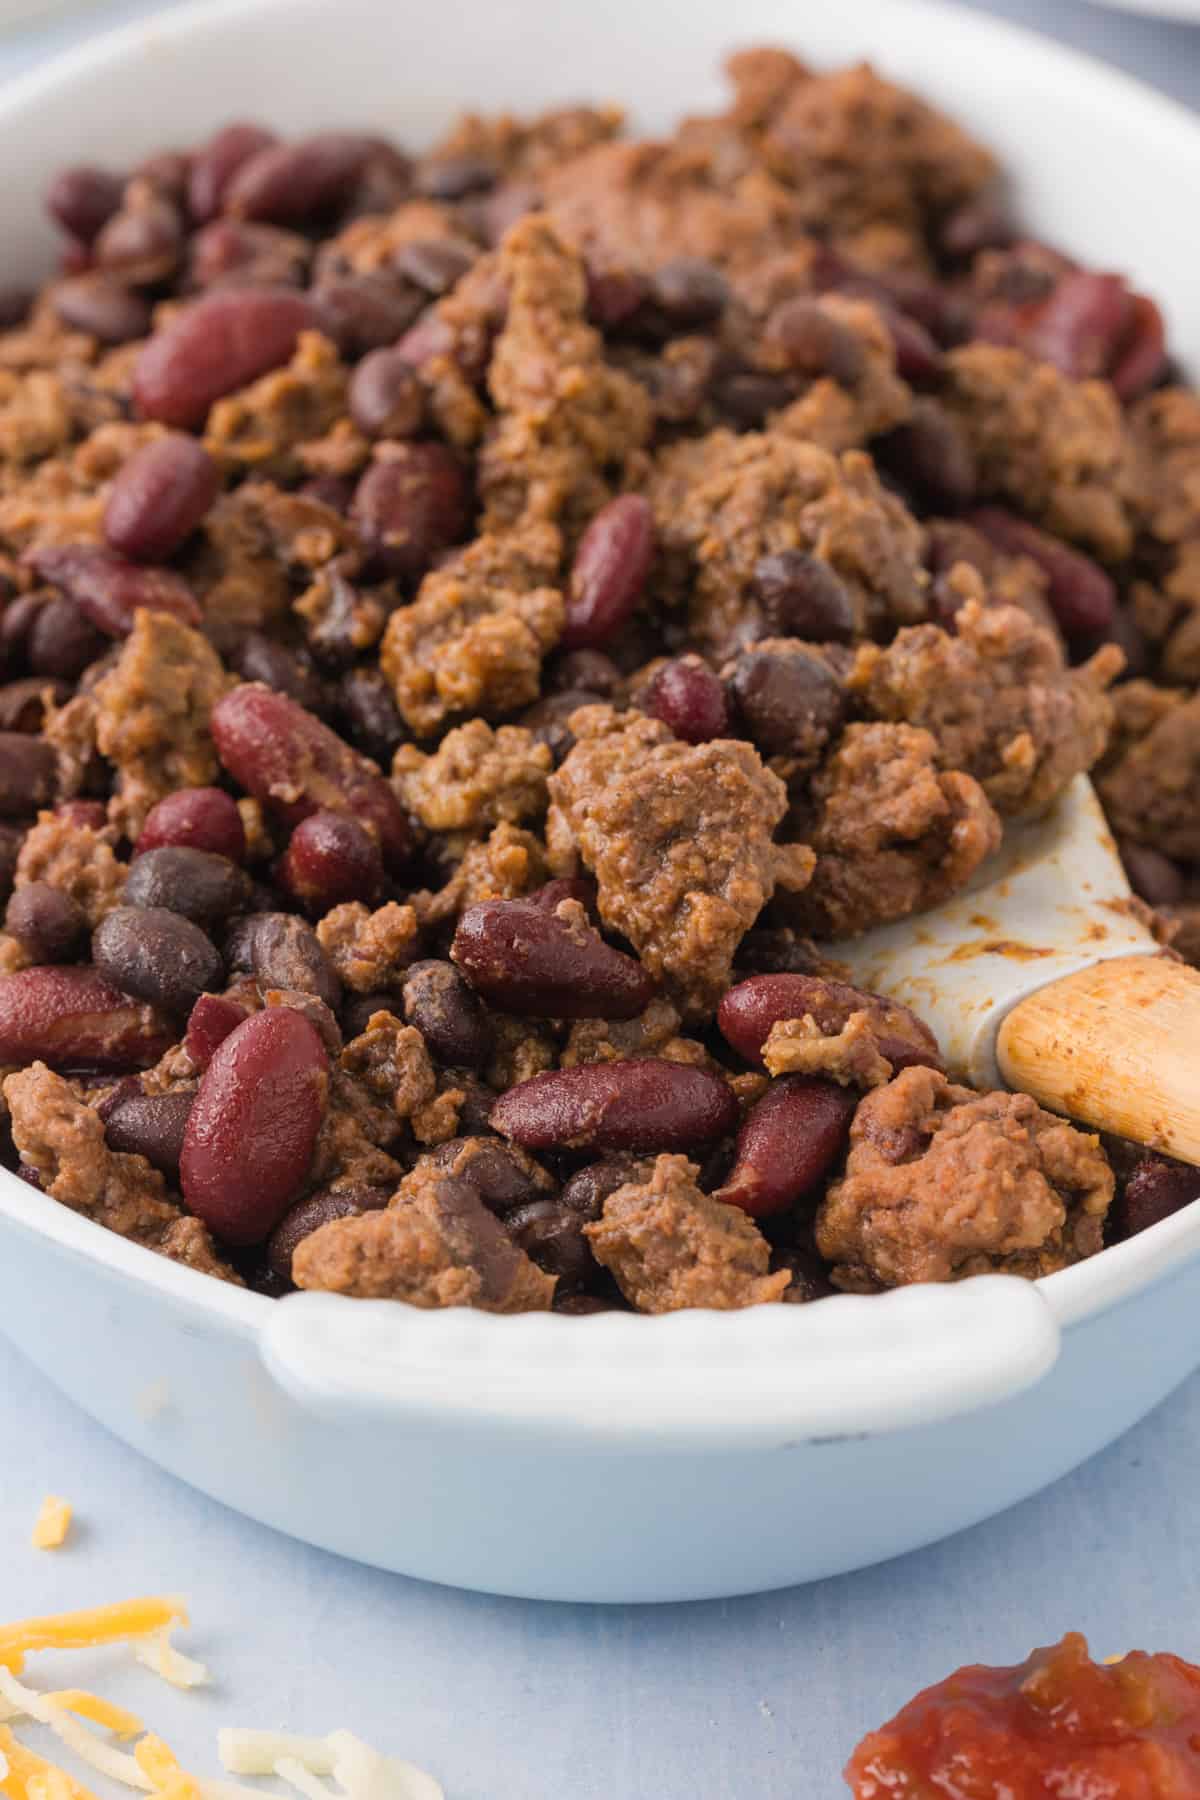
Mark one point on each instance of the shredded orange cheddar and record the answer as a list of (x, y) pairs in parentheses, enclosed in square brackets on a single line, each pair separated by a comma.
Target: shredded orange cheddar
[(24, 1767), (83, 1630), (99, 1710)]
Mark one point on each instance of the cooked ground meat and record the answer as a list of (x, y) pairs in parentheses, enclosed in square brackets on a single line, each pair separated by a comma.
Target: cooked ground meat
[(942, 1182), (607, 526), (893, 834), (998, 698), (670, 1246), (679, 840)]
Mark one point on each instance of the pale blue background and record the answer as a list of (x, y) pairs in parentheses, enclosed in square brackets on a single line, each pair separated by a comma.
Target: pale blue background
[(757, 1699)]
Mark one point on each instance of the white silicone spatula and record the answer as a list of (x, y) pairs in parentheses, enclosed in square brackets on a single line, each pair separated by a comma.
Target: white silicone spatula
[(1040, 976)]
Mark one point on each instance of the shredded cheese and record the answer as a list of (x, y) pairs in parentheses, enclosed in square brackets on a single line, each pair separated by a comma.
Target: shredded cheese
[(116, 1764), (100, 1711), (53, 1523), (157, 1652), (21, 1766), (85, 1630), (257, 1752)]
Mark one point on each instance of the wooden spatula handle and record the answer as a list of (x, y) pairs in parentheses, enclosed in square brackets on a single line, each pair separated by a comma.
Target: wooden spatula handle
[(1116, 1045)]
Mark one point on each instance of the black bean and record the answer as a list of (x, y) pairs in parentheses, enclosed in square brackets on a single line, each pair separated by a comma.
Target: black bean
[(791, 703), (310, 1214), (151, 1125), (47, 921), (802, 596), (156, 955), (198, 884), (448, 1015)]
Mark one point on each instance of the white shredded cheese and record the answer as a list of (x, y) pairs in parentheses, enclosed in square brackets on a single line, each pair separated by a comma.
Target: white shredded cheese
[(157, 1652), (257, 1752), (99, 1756), (303, 1780)]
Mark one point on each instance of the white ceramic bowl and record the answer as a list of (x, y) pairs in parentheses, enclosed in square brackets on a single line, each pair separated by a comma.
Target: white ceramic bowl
[(612, 1458)]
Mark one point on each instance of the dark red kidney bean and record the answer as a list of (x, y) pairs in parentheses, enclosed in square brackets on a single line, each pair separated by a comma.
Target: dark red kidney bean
[(214, 346), (587, 670), (689, 699), (16, 622), (23, 703), (524, 959), (449, 1016), (790, 703), (156, 955), (364, 312), (216, 163), (153, 1126), (27, 774), (977, 225), (932, 455), (229, 253), (295, 765), (802, 596), (410, 506), (815, 343), (308, 1215), (644, 1105), (1083, 597), (370, 715), (101, 307), (1141, 357), (1152, 876), (568, 887), (197, 884), (253, 1127), (293, 184), (262, 659), (195, 819), (609, 572), (589, 1188), (72, 1018), (46, 921), (810, 1277), (142, 243), (1080, 325), (159, 497), (210, 1022), (282, 951), (385, 397), (614, 296), (331, 858), (750, 1009), (434, 265), (451, 178), (789, 1142), (690, 292), (83, 198), (552, 1236), (1157, 1187), (62, 642), (109, 589)]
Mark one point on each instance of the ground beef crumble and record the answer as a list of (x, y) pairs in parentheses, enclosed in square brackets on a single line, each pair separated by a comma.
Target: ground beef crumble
[(942, 1182)]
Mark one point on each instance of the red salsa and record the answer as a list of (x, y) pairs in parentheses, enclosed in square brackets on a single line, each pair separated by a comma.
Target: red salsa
[(1058, 1727)]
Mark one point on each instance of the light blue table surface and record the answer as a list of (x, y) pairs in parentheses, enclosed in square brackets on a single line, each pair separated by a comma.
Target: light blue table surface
[(753, 1699)]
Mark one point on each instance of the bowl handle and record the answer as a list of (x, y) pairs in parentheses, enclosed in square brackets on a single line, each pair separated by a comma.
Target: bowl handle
[(843, 1366)]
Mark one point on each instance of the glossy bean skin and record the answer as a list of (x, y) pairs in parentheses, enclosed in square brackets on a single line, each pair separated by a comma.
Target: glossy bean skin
[(290, 184), (23, 703), (448, 1014), (1141, 358), (46, 921), (72, 1018), (63, 641), (195, 819), (410, 506), (253, 1128), (641, 1105), (216, 163), (198, 884), (524, 959), (296, 766), (102, 307), (802, 596), (1082, 595), (689, 699), (156, 955), (790, 702), (153, 1126), (159, 496), (788, 1143), (108, 588), (210, 1022), (83, 198), (1155, 1188), (215, 345), (750, 1009), (282, 951), (329, 859), (609, 572)]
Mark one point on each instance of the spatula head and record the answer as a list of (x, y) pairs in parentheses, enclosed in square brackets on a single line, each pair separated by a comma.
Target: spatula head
[(1053, 899)]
